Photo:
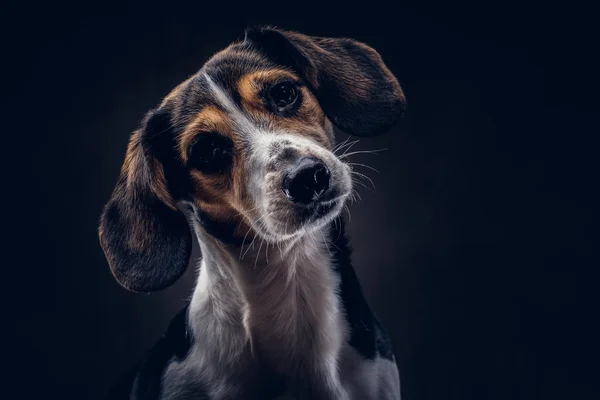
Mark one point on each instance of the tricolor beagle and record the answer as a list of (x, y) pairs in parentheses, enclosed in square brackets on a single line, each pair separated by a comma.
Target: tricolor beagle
[(241, 158)]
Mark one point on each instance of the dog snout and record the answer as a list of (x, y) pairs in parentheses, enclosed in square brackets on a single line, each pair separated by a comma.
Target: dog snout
[(306, 181)]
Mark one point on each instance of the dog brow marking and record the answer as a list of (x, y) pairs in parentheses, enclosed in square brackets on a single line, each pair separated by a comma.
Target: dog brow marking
[(239, 117)]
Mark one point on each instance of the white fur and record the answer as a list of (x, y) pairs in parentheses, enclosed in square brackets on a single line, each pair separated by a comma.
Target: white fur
[(244, 124), (288, 308)]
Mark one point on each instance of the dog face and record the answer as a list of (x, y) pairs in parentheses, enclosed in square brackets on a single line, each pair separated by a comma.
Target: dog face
[(246, 143), (259, 150)]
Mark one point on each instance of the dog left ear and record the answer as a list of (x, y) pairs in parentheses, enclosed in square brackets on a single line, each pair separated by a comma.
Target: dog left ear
[(356, 90), (145, 238)]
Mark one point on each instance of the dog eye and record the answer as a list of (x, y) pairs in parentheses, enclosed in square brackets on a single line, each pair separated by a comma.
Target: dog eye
[(283, 94), (283, 98), (210, 153)]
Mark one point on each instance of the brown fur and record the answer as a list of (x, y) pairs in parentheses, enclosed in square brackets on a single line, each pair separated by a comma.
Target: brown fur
[(216, 194), (310, 119)]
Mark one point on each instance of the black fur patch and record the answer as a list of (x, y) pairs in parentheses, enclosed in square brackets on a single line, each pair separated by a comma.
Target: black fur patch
[(144, 381), (366, 334)]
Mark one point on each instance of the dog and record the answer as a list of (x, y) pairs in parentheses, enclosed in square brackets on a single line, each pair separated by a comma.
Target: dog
[(239, 157)]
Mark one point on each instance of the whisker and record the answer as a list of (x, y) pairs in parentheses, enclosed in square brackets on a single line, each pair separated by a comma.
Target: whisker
[(322, 255), (339, 232), (364, 165), (341, 143), (267, 253), (345, 143), (364, 176), (358, 182), (337, 146), (325, 241), (335, 245), (244, 241), (258, 252), (251, 245), (355, 194), (248, 211), (361, 152), (348, 148)]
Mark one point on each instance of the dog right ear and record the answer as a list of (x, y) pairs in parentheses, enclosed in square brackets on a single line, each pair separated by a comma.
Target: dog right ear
[(356, 90), (145, 238)]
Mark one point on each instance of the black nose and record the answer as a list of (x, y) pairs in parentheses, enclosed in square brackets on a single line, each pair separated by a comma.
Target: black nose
[(306, 181)]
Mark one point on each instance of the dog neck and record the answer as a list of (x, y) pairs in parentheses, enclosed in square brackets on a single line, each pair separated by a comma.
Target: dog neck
[(279, 299)]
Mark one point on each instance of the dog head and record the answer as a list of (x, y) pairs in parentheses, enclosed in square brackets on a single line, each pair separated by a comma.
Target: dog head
[(246, 144)]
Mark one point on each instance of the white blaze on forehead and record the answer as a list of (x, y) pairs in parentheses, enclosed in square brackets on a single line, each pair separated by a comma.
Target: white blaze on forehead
[(247, 126), (260, 138)]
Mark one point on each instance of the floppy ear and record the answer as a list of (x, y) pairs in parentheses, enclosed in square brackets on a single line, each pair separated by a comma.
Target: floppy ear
[(145, 238), (357, 92)]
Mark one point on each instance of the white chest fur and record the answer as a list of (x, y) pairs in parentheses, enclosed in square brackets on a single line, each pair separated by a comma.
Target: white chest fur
[(276, 303), (277, 306), (293, 314)]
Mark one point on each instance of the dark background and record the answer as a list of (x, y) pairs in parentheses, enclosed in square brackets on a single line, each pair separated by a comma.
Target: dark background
[(475, 250)]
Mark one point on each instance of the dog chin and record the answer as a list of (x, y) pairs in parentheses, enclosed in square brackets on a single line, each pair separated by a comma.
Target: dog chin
[(324, 213), (321, 215)]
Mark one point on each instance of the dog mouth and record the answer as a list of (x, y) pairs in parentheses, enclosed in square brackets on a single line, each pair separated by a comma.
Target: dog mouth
[(292, 223), (322, 209), (319, 213)]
